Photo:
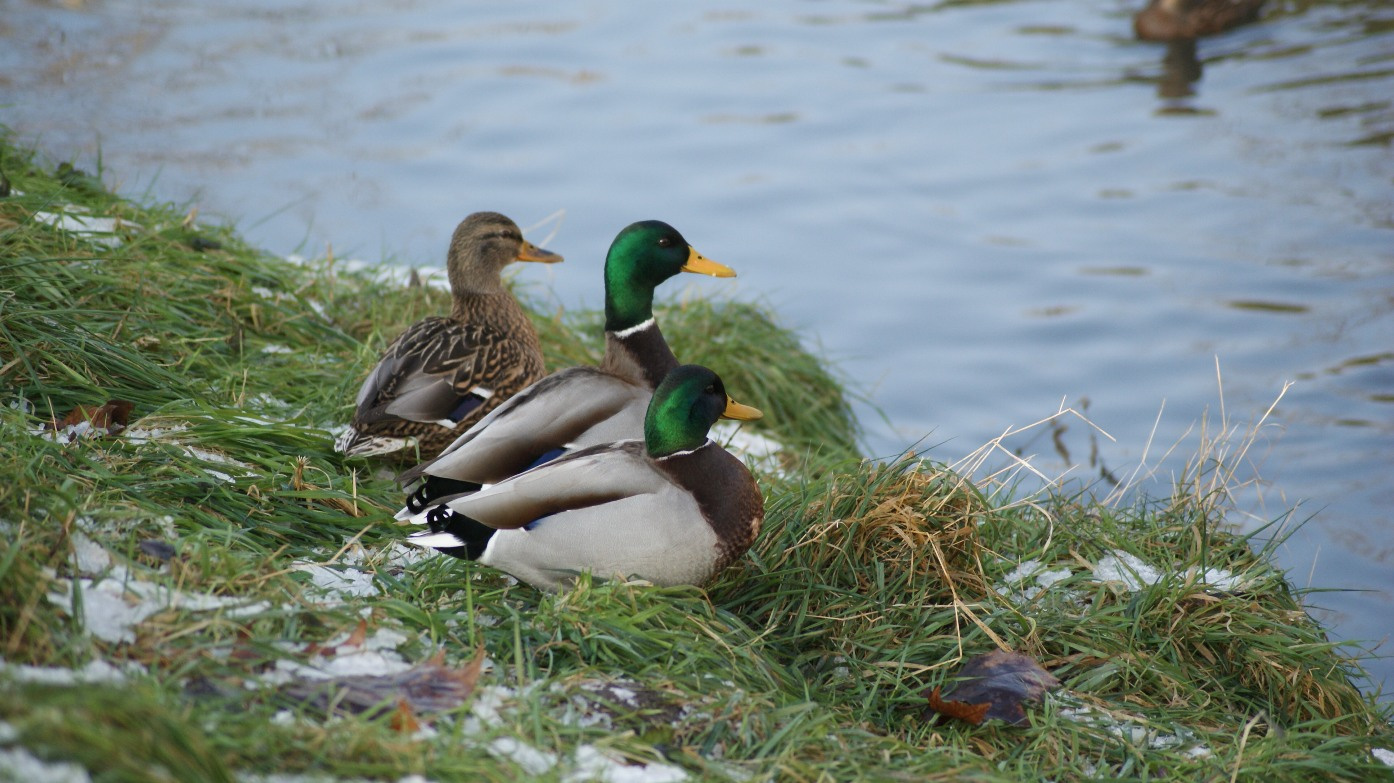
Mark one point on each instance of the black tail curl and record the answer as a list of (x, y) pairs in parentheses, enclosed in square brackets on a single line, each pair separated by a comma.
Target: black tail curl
[(436, 489), (474, 534)]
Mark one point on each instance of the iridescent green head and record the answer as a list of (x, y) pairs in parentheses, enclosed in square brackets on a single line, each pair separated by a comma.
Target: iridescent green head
[(685, 406), (642, 257)]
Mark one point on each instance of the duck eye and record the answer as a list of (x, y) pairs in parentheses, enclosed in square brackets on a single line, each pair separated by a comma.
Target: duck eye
[(665, 241)]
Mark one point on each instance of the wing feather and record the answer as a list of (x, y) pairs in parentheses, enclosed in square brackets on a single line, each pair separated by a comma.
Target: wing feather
[(587, 478)]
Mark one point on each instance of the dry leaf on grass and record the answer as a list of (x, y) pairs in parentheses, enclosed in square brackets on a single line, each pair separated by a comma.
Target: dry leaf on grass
[(108, 419), (428, 688), (994, 685), (355, 639)]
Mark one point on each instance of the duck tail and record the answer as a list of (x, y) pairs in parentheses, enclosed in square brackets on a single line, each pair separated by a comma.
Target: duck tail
[(352, 443), (436, 490), (452, 533)]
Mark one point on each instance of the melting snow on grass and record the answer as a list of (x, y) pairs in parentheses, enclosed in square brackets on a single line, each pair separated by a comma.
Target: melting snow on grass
[(114, 601), (345, 580), (97, 230), (1135, 731), (585, 763), (95, 672), (338, 583), (377, 655), (147, 435), (592, 764), (1136, 574), (1012, 585), (20, 764)]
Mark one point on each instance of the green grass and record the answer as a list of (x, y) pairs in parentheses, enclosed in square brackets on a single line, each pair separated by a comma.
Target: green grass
[(807, 660)]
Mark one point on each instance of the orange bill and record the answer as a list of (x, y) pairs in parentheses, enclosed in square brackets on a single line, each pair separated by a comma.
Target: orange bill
[(531, 252)]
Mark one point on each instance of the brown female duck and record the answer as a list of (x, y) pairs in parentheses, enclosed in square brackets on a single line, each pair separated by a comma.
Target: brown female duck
[(1170, 20), (445, 373)]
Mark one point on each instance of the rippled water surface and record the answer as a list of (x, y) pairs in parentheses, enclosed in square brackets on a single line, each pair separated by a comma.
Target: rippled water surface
[(980, 210)]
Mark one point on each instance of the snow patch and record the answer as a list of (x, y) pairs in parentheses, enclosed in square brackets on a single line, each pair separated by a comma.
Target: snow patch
[(1011, 586), (338, 583), (20, 764), (593, 765), (377, 655), (533, 761), (89, 557), (97, 230), (95, 672), (1126, 568), (1386, 757), (113, 606), (146, 435), (1136, 574), (1135, 731), (398, 555)]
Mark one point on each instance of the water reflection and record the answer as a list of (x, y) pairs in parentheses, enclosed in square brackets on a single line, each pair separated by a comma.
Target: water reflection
[(1180, 69), (1267, 307)]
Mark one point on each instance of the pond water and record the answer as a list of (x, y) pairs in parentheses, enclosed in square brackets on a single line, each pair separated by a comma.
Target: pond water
[(981, 211)]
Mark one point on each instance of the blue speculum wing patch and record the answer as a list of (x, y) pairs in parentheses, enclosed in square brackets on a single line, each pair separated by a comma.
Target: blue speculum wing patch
[(467, 405)]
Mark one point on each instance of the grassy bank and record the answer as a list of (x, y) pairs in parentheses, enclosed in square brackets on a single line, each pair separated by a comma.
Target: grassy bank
[(178, 596)]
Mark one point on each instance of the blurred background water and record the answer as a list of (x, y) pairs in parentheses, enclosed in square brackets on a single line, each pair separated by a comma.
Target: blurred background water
[(981, 211)]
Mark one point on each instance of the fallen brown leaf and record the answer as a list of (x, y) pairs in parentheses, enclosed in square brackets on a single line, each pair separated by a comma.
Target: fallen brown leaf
[(111, 417), (427, 688), (994, 685), (972, 713), (359, 635), (355, 639), (404, 719)]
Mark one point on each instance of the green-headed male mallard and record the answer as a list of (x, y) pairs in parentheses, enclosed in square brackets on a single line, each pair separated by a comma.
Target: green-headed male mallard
[(443, 374), (578, 406), (674, 508), (1171, 20)]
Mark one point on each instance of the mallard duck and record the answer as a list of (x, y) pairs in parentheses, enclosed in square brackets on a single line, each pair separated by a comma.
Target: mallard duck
[(578, 406), (673, 508), (1169, 20), (445, 373)]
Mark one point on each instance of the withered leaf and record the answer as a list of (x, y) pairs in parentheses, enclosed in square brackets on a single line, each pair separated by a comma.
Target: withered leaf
[(994, 685), (110, 418), (972, 713), (359, 635), (428, 688), (356, 638), (404, 719)]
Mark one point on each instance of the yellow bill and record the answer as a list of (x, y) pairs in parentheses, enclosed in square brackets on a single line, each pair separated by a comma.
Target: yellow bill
[(696, 262), (739, 412)]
